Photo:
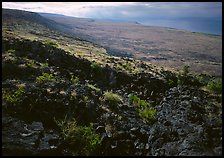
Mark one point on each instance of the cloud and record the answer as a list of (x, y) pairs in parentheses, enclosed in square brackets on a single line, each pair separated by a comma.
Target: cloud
[(123, 10)]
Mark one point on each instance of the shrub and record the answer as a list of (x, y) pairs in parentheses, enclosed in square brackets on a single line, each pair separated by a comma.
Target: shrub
[(143, 104), (183, 76), (81, 139), (45, 78), (203, 79), (215, 86), (75, 80), (51, 43), (145, 111), (148, 114), (133, 99), (185, 70), (93, 87), (31, 64), (171, 83), (15, 97), (97, 70), (112, 97), (119, 67), (11, 51), (44, 64), (95, 66), (136, 101)]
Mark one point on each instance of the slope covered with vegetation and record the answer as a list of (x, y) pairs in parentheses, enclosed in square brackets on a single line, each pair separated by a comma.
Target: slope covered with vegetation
[(162, 46), (67, 96)]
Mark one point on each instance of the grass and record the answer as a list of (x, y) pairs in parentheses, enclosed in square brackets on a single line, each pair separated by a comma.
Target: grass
[(112, 97), (145, 111), (11, 51), (48, 42), (125, 66), (183, 75), (31, 64), (81, 139), (15, 97), (45, 77), (136, 101), (215, 86), (95, 66), (148, 114), (75, 80), (93, 87), (44, 64)]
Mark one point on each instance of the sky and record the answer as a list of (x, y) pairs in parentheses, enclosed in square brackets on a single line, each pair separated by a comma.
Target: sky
[(154, 13)]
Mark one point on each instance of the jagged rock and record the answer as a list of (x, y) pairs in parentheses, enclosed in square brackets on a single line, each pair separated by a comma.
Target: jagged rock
[(21, 138), (181, 126)]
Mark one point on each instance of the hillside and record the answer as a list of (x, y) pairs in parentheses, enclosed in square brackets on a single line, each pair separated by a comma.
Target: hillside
[(63, 96), (158, 45)]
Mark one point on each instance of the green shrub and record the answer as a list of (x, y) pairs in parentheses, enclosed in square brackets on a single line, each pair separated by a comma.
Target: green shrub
[(143, 104), (95, 66), (185, 70), (136, 101), (171, 83), (145, 111), (112, 97), (93, 87), (183, 76), (75, 80), (203, 79), (133, 99), (81, 140), (97, 70), (48, 42), (119, 67), (148, 114), (44, 64), (127, 66), (15, 97), (11, 51), (31, 64), (215, 86), (45, 77)]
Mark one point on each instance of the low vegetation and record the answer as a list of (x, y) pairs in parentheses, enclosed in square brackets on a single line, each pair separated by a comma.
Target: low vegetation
[(51, 43), (15, 97), (215, 86), (93, 87), (31, 64), (148, 114), (145, 110), (45, 77), (81, 139), (112, 97), (75, 79), (95, 66), (11, 51)]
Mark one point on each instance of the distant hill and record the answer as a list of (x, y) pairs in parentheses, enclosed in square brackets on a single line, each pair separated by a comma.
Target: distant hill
[(88, 19), (17, 18), (8, 15)]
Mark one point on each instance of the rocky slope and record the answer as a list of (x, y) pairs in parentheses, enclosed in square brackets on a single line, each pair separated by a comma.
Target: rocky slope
[(58, 101)]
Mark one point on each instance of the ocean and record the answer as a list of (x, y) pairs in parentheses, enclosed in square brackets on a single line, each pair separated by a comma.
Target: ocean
[(204, 25)]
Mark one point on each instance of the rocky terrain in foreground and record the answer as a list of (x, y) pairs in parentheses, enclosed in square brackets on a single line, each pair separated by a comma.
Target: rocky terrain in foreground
[(57, 104)]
